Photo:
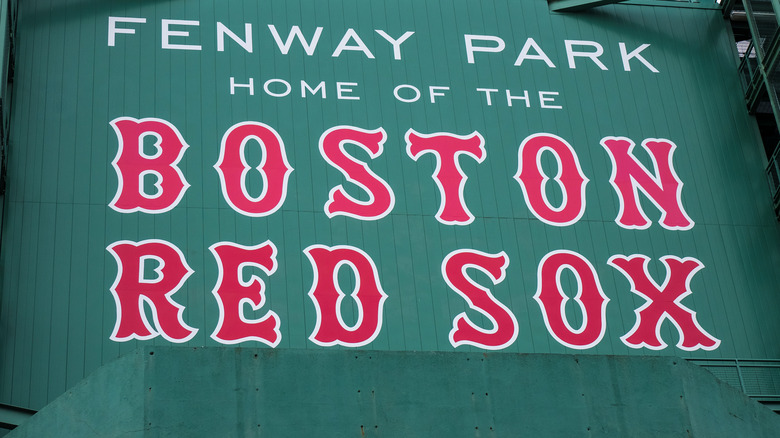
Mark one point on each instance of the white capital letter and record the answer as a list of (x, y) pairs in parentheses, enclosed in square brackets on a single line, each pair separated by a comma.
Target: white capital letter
[(470, 48), (112, 29), (635, 54), (594, 56), (540, 55), (396, 43), (359, 46), (246, 43), (167, 33)]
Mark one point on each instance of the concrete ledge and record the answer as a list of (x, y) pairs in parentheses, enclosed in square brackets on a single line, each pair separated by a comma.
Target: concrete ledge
[(175, 391)]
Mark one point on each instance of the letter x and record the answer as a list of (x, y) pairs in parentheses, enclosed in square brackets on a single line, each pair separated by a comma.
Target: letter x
[(663, 302)]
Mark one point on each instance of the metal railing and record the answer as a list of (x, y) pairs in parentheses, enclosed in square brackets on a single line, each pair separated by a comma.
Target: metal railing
[(758, 379), (773, 176)]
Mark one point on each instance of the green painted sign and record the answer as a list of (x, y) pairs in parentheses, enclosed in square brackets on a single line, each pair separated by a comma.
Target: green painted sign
[(387, 175)]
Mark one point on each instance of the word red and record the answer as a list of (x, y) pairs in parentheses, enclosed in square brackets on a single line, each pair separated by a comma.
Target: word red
[(132, 289), (629, 176)]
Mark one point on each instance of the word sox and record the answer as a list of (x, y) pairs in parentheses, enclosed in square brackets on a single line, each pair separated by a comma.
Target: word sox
[(629, 177)]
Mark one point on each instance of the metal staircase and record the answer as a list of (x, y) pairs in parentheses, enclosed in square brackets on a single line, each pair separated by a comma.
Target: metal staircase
[(755, 25)]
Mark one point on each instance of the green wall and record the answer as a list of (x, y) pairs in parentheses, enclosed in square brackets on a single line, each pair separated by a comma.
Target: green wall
[(365, 393), (57, 312)]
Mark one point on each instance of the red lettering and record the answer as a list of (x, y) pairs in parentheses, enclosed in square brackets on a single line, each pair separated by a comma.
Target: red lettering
[(381, 196), (326, 294), (449, 177), (232, 168), (590, 297), (533, 180), (132, 165), (132, 289), (464, 332), (232, 293), (663, 302), (663, 187)]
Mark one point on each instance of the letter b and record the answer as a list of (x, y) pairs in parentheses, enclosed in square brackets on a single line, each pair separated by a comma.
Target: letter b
[(132, 165)]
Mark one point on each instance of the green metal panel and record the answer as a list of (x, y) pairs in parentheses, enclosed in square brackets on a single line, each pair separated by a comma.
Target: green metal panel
[(578, 5), (57, 311)]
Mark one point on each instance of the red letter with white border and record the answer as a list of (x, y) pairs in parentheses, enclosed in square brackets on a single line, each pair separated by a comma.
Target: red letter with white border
[(232, 293), (464, 331), (533, 180), (132, 165), (381, 197), (232, 169), (663, 187), (590, 297), (131, 290), (449, 177), (327, 296), (663, 302)]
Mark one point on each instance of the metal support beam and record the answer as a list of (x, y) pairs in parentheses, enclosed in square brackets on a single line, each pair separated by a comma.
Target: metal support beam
[(12, 416), (578, 5), (727, 6)]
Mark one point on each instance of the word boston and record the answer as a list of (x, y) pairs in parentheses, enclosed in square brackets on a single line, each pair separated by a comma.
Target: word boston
[(135, 169), (132, 287)]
